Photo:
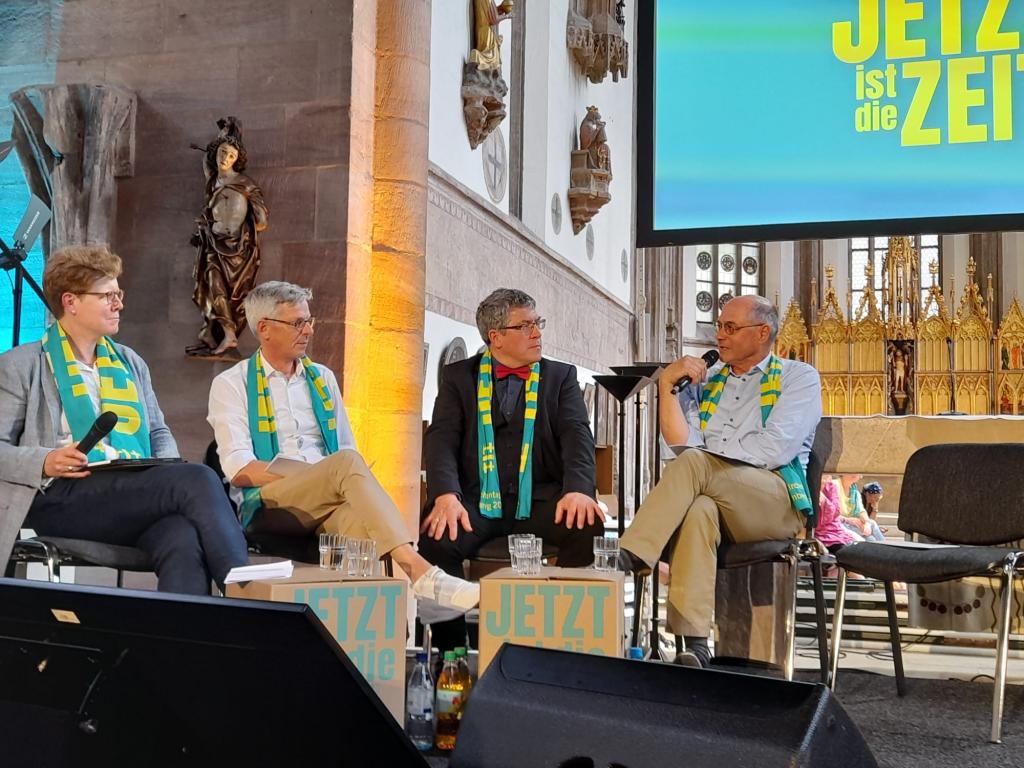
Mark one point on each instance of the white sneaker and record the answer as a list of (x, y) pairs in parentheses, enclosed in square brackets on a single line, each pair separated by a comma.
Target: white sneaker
[(447, 590)]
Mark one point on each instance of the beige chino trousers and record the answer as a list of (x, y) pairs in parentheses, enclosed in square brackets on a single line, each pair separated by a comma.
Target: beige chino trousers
[(703, 497), (336, 495)]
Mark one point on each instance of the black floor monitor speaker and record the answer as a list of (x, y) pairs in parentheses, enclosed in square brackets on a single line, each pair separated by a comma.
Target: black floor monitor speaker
[(104, 677), (539, 708)]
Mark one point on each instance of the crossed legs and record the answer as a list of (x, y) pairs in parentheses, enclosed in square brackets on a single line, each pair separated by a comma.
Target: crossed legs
[(705, 497)]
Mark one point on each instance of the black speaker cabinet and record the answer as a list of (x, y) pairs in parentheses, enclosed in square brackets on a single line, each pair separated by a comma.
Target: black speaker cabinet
[(537, 708), (101, 677)]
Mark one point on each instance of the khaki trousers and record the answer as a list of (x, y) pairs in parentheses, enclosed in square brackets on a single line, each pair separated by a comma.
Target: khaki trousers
[(703, 496), (336, 495)]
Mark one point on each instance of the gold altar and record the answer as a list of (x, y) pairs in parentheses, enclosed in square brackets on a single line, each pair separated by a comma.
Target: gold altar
[(894, 357)]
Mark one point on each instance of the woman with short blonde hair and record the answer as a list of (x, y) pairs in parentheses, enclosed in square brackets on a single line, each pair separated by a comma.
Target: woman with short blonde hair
[(54, 391)]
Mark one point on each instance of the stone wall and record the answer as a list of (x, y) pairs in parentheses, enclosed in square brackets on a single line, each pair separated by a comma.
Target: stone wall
[(473, 249), (284, 70)]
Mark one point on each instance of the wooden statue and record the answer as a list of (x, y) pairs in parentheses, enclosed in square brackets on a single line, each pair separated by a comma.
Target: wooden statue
[(590, 171), (227, 242), (483, 88)]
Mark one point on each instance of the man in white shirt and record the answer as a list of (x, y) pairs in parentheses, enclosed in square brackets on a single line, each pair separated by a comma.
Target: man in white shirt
[(743, 431), (280, 403)]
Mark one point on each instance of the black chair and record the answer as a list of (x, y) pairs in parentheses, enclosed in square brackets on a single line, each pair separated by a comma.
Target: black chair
[(732, 555), (967, 495), (55, 552)]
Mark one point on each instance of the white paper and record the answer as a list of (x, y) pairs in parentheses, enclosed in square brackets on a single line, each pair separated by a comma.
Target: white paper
[(278, 569), (286, 466)]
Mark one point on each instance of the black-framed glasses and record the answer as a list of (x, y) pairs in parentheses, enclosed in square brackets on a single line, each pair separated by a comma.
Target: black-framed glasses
[(107, 296), (299, 325), (730, 328), (526, 327)]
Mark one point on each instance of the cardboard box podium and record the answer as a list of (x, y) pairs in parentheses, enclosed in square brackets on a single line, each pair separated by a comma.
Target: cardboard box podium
[(367, 616), (572, 609)]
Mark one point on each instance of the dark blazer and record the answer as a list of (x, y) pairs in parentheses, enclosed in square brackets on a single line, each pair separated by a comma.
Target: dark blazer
[(563, 445)]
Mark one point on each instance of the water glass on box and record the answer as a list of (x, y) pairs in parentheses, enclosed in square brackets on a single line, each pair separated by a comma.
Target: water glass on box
[(332, 550), (362, 557), (528, 556), (515, 549), (606, 553)]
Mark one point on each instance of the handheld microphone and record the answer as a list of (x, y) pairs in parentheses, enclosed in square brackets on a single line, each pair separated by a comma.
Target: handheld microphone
[(710, 358), (100, 429)]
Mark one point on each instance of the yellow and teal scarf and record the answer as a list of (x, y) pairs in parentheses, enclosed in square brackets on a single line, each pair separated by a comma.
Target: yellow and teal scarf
[(118, 393), (771, 387), (263, 426), (490, 487)]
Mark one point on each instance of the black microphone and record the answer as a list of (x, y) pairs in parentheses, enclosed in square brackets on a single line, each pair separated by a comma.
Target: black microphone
[(710, 358), (100, 429)]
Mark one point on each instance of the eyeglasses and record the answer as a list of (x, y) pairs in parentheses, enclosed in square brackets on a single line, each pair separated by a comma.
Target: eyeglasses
[(298, 325), (730, 328), (527, 327), (108, 296)]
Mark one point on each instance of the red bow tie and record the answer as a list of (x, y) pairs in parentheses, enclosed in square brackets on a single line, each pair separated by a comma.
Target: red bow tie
[(503, 371)]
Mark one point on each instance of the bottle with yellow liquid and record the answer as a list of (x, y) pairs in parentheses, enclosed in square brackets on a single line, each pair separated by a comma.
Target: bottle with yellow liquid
[(462, 662), (451, 690)]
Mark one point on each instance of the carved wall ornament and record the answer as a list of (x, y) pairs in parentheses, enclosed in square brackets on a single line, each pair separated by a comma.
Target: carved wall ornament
[(73, 140), (879, 360), (590, 172), (597, 38), (483, 88)]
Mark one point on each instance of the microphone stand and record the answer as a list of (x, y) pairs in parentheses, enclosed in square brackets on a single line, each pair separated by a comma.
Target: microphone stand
[(12, 259), (952, 382)]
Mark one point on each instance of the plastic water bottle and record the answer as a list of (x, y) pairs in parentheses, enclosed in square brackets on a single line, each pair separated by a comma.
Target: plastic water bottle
[(419, 705)]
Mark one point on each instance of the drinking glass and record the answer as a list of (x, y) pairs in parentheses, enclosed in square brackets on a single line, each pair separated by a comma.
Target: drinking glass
[(516, 550), (527, 556), (362, 558), (606, 553), (332, 548)]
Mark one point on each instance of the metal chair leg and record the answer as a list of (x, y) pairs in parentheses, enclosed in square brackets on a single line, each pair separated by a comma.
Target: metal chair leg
[(639, 588), (655, 618), (789, 659), (427, 646), (822, 619), (837, 625), (1001, 648), (894, 639)]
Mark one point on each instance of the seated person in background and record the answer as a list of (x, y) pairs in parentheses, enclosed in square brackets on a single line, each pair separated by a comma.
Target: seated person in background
[(491, 410), (281, 402), (871, 496), (744, 438), (855, 516), (830, 530), (52, 392)]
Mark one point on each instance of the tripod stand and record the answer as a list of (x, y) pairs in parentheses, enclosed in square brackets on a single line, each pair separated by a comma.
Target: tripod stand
[(12, 260)]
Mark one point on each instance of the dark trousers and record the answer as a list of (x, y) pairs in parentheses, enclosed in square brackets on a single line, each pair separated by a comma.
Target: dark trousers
[(178, 514), (575, 550)]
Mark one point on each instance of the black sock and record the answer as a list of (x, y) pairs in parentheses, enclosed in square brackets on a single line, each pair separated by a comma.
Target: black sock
[(698, 646)]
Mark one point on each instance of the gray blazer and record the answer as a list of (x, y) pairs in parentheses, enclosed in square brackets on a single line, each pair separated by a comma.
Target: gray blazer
[(29, 421)]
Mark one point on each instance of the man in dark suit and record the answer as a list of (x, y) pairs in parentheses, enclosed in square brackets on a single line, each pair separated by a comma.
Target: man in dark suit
[(491, 410)]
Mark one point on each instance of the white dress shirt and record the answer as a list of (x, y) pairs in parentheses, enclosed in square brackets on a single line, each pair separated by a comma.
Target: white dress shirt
[(298, 432), (736, 431)]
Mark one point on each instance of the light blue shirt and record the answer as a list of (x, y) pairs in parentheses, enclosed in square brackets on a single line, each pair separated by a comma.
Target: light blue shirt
[(735, 430)]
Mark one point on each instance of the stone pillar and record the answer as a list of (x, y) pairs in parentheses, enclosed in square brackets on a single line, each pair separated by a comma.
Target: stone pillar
[(385, 277)]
